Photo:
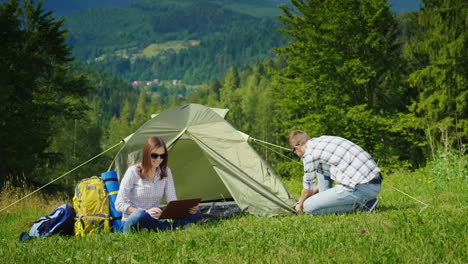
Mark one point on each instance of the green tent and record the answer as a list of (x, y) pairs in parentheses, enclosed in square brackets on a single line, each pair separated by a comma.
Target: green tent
[(211, 159)]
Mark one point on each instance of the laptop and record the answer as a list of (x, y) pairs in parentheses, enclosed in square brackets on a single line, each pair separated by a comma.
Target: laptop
[(179, 208)]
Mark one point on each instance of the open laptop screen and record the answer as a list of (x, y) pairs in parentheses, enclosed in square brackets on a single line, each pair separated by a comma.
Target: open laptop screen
[(179, 208)]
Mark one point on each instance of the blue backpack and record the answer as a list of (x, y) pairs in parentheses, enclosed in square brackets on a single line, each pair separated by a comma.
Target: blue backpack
[(60, 221)]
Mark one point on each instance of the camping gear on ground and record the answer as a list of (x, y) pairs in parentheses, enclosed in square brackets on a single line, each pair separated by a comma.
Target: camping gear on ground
[(214, 211), (60, 221), (91, 205), (210, 159), (112, 187)]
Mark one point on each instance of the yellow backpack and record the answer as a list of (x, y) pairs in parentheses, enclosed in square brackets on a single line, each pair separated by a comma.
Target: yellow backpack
[(91, 204)]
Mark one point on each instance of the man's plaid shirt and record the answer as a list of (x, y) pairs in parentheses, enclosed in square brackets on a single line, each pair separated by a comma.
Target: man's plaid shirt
[(342, 160)]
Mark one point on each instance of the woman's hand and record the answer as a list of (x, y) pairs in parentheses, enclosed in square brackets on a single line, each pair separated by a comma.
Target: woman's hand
[(193, 210), (154, 212)]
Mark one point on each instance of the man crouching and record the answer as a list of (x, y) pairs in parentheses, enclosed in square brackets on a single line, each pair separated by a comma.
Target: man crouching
[(330, 158)]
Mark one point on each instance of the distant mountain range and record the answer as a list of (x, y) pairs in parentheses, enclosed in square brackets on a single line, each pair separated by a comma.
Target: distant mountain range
[(190, 40), (193, 41), (64, 7)]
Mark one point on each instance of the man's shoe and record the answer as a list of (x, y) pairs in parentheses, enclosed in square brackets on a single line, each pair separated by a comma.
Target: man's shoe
[(370, 205)]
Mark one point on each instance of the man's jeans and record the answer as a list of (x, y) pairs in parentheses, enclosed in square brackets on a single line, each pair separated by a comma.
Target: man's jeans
[(141, 219), (340, 198)]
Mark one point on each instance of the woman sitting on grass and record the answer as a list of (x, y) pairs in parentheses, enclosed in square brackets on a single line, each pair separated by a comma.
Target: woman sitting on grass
[(142, 188)]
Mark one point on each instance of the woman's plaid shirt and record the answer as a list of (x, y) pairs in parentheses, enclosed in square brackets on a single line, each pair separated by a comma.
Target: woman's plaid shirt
[(142, 193)]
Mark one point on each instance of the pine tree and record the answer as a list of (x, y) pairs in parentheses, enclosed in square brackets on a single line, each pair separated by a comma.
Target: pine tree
[(141, 112), (36, 85), (251, 93), (441, 78), (75, 141), (213, 93), (154, 106), (231, 97), (341, 59), (119, 128)]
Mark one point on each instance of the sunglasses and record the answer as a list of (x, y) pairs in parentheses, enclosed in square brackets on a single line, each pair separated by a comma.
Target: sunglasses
[(155, 155)]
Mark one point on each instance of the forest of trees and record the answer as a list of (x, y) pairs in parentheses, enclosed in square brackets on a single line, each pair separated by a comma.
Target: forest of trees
[(394, 84), (199, 64), (226, 36)]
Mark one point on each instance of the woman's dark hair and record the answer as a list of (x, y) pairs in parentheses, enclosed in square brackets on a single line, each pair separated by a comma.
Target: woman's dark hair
[(151, 144)]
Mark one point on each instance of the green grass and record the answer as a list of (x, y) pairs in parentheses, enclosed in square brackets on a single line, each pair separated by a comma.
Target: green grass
[(153, 49), (397, 232)]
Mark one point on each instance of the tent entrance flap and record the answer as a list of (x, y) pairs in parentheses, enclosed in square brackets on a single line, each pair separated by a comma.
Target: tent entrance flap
[(193, 174)]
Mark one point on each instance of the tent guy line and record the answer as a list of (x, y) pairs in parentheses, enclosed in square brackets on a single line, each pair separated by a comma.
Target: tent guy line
[(422, 209), (268, 143), (63, 175), (264, 143)]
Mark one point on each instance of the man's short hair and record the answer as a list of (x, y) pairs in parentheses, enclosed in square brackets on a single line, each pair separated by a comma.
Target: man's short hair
[(297, 138)]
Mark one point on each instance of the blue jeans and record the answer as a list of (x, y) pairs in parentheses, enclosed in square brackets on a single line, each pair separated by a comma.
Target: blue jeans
[(340, 198), (141, 219)]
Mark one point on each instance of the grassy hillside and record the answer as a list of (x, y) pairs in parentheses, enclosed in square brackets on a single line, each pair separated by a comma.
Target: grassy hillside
[(156, 49), (397, 232), (152, 50)]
